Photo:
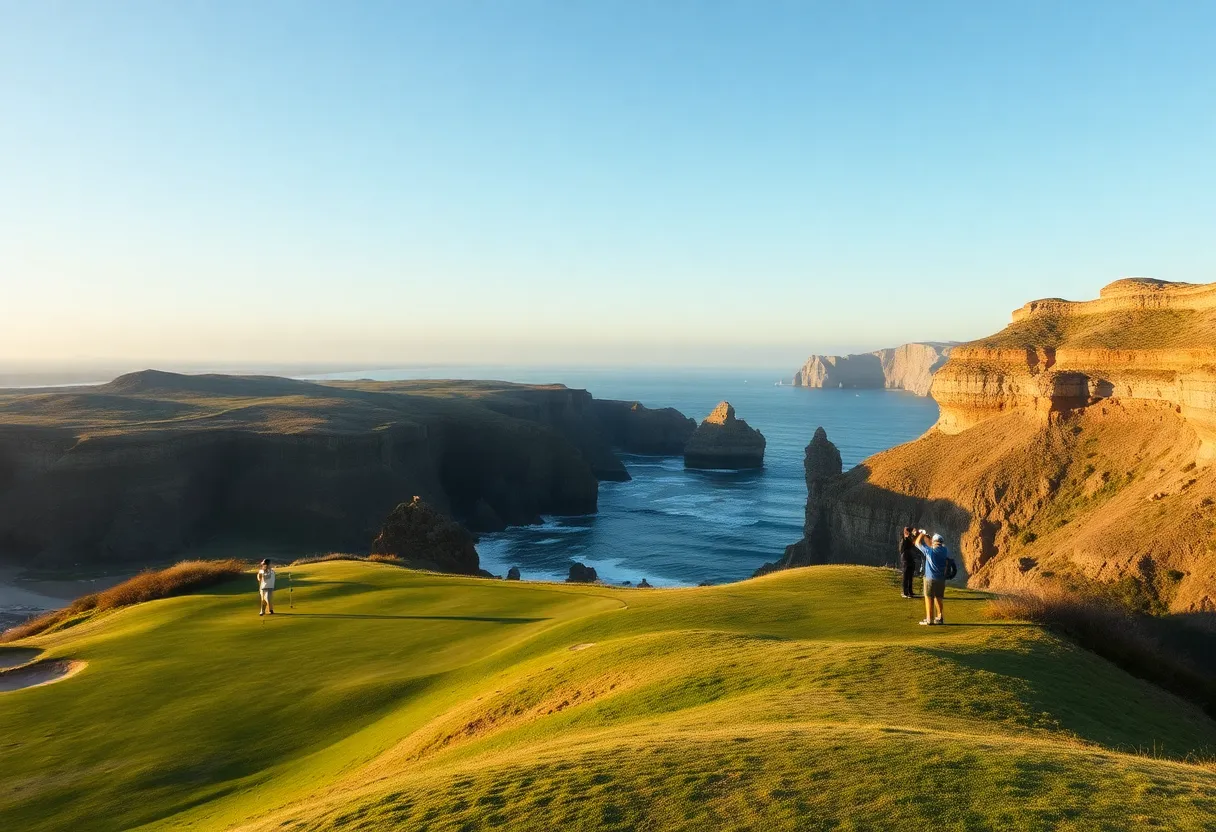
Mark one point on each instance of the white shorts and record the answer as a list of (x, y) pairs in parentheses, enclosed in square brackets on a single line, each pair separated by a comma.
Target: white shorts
[(267, 594)]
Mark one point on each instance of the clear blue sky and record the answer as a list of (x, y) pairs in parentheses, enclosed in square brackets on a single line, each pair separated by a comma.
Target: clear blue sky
[(575, 182)]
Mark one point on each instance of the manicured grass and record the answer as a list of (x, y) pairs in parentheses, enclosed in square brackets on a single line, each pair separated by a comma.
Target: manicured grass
[(391, 699)]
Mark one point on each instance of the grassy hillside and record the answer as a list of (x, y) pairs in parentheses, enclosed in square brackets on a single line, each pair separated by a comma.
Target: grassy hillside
[(389, 699)]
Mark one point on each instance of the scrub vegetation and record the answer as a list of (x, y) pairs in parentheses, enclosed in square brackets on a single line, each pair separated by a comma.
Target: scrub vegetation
[(395, 699)]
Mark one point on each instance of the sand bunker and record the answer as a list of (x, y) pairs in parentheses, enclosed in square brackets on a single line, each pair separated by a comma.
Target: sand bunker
[(14, 656), (38, 673), (583, 646)]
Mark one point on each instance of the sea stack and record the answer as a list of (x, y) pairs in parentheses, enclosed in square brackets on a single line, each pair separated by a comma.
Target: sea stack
[(722, 441), (824, 471)]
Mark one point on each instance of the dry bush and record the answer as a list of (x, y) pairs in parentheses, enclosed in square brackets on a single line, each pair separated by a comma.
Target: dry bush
[(380, 558), (179, 579), (1124, 638), (323, 558)]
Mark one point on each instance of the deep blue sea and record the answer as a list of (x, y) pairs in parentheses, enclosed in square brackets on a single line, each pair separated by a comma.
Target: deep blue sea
[(677, 527)]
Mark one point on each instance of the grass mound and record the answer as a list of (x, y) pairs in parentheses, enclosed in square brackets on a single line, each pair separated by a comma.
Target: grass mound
[(395, 699), (1109, 629), (179, 579)]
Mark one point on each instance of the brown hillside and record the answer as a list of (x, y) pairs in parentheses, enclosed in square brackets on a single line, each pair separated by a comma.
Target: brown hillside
[(1073, 447)]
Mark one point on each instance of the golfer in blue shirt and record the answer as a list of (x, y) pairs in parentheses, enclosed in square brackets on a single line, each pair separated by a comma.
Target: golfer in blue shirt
[(936, 554)]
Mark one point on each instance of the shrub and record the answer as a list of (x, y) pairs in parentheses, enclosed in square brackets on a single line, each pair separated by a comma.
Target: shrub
[(180, 579), (1111, 631), (324, 558)]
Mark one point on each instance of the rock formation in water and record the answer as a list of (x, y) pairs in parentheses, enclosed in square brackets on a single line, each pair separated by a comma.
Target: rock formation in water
[(722, 441), (580, 573), (427, 539), (513, 574), (1075, 447), (908, 367), (155, 463), (823, 469), (634, 428)]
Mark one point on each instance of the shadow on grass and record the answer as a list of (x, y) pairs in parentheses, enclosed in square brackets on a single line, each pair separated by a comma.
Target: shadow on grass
[(486, 618)]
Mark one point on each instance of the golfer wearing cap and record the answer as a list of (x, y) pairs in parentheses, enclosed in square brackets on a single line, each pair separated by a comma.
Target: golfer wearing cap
[(266, 588), (935, 552)]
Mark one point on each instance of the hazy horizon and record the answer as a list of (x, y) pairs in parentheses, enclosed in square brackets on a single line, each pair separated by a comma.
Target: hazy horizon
[(588, 184)]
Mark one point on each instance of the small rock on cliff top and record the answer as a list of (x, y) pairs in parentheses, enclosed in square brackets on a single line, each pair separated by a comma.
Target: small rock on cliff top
[(722, 441), (427, 539)]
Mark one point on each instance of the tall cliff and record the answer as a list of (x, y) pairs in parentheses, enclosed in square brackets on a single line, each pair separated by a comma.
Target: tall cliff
[(1073, 447), (908, 367), (154, 463)]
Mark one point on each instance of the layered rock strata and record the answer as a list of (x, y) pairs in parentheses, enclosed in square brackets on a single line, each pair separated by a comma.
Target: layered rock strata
[(1073, 448), (723, 441), (908, 367)]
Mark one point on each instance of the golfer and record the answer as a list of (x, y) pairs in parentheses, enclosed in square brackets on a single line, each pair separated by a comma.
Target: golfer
[(936, 554), (909, 559), (266, 588)]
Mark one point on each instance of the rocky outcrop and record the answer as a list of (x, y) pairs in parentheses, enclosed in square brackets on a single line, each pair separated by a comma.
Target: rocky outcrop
[(580, 573), (1144, 340), (634, 428), (427, 539), (513, 574), (908, 367), (156, 463), (823, 469), (1074, 448), (722, 441)]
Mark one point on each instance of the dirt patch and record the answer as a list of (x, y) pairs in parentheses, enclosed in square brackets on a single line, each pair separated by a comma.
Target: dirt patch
[(583, 646), (38, 673)]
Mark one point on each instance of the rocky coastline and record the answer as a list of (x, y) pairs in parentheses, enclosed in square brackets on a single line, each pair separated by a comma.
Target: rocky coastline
[(907, 367), (155, 463), (1079, 425)]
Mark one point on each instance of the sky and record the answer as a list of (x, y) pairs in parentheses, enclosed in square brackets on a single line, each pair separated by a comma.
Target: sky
[(609, 183)]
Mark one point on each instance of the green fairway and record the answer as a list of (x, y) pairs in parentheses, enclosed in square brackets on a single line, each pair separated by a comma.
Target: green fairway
[(392, 699)]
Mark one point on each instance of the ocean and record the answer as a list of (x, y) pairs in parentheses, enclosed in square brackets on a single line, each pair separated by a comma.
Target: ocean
[(675, 527)]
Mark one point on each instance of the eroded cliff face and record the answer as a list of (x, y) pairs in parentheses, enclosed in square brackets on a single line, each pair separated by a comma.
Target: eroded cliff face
[(908, 367), (155, 463), (1073, 447)]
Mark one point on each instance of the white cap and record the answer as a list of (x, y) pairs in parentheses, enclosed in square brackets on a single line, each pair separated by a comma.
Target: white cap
[(937, 538)]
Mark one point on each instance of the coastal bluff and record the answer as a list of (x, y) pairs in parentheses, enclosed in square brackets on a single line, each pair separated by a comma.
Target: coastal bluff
[(724, 441), (156, 463), (907, 367), (1073, 448)]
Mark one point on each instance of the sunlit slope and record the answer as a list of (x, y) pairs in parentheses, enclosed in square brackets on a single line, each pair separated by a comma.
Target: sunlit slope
[(397, 700)]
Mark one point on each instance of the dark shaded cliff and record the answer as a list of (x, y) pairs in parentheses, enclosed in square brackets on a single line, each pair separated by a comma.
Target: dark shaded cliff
[(153, 463), (634, 428)]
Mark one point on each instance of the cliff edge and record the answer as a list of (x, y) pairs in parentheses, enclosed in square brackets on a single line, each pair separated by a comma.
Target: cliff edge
[(907, 367), (1074, 447), (154, 463)]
